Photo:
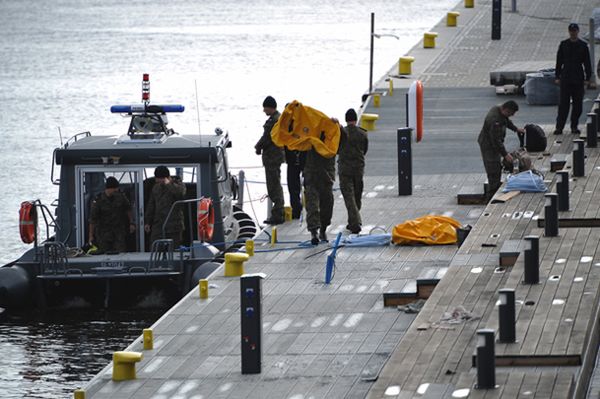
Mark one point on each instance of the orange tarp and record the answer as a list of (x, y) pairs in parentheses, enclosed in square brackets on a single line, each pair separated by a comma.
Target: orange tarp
[(431, 230)]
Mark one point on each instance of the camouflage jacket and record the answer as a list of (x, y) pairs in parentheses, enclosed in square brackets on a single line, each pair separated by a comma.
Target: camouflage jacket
[(271, 154), (353, 148), (493, 132), (159, 204), (110, 213), (319, 166)]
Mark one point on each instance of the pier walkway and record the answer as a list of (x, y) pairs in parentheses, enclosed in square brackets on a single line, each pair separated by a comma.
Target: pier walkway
[(339, 340)]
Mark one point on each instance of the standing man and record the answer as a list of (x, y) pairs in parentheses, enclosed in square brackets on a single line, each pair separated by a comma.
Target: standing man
[(319, 175), (165, 192), (110, 219), (351, 168), (272, 158), (572, 58), (295, 161), (491, 142)]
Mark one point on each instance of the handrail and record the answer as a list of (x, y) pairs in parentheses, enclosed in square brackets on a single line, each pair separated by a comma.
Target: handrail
[(75, 138), (186, 201), (225, 167)]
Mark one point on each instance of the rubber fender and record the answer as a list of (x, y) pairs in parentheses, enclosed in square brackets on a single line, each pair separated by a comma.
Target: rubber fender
[(203, 271), (15, 288)]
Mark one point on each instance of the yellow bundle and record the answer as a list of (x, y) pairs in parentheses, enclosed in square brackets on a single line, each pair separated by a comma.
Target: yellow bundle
[(431, 230), (300, 127)]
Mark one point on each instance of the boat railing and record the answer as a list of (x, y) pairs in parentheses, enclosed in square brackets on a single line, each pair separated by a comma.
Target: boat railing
[(189, 203), (161, 255), (49, 220), (66, 145), (54, 258)]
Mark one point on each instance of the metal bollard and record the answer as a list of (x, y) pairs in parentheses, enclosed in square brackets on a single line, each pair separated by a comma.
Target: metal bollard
[(486, 359), (562, 189), (203, 288), (404, 161), (251, 322), (578, 158), (513, 6), (506, 316), (597, 102), (532, 260), (551, 215), (241, 186), (496, 19), (592, 130)]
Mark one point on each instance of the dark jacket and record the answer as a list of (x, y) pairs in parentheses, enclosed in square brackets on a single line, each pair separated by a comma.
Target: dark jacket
[(159, 204), (271, 154), (353, 148), (110, 213), (493, 132), (572, 58)]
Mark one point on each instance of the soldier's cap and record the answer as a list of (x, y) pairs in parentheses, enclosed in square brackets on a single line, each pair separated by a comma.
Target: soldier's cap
[(270, 102), (161, 171), (351, 115), (573, 26), (111, 182)]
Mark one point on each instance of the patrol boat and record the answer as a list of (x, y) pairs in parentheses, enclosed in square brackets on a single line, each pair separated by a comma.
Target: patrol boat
[(57, 269)]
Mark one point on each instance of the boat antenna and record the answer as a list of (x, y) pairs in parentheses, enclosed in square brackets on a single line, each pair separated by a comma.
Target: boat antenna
[(60, 136), (198, 111)]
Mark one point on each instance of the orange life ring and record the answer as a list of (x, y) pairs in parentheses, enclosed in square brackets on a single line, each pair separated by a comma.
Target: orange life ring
[(415, 109), (206, 220), (27, 222)]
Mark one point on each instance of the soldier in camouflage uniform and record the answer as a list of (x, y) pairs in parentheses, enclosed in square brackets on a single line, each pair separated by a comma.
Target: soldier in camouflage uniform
[(272, 158), (319, 175), (491, 142), (165, 192), (351, 167), (110, 219)]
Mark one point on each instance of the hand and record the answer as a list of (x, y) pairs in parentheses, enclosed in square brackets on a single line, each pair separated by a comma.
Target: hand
[(131, 227), (508, 158), (335, 120), (147, 228), (91, 241), (258, 151), (520, 130), (557, 81)]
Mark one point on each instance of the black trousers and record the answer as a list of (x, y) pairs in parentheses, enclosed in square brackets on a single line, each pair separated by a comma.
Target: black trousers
[(570, 90), (295, 188)]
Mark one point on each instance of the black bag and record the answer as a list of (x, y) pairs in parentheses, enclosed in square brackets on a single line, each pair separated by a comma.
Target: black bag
[(535, 138)]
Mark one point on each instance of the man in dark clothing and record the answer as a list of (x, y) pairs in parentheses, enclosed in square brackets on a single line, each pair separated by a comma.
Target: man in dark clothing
[(110, 219), (573, 71), (295, 161), (319, 175), (351, 167), (165, 192), (491, 142), (272, 158)]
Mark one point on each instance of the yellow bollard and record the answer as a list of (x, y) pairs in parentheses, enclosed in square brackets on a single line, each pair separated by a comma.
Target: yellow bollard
[(234, 264), (376, 100), (391, 89), (250, 247), (469, 3), (79, 394), (404, 65), (367, 121), (274, 236), (429, 39), (451, 18), (203, 287), (124, 365), (148, 339), (287, 213)]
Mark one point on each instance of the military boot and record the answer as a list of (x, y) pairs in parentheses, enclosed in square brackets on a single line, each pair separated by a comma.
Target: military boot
[(314, 238), (323, 234)]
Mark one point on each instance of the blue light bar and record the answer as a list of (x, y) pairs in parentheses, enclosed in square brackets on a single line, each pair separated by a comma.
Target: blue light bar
[(150, 108)]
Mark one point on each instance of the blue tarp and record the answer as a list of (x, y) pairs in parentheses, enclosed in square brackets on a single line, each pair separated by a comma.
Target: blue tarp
[(527, 182)]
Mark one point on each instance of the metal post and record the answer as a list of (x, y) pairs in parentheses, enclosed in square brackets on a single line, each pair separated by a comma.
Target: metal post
[(578, 158), (551, 215), (513, 6), (241, 187), (532, 260), (251, 322), (597, 102), (486, 359), (592, 130), (496, 19), (372, 50), (592, 84), (404, 161), (562, 189), (506, 316)]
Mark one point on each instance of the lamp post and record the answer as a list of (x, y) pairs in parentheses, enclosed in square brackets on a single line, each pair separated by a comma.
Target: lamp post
[(373, 36)]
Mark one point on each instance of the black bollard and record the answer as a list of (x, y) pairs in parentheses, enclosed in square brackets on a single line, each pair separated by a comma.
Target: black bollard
[(532, 260), (506, 316), (578, 158), (597, 102), (551, 215), (496, 19), (404, 161), (251, 322), (562, 189), (486, 359), (592, 130)]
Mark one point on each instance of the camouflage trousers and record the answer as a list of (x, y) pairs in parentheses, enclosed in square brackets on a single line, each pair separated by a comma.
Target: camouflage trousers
[(111, 240), (319, 200), (493, 169), (274, 190), (352, 188)]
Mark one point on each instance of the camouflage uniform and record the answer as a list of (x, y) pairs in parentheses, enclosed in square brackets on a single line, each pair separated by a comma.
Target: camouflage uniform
[(110, 218), (319, 175), (272, 158), (491, 143), (351, 167), (161, 199)]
